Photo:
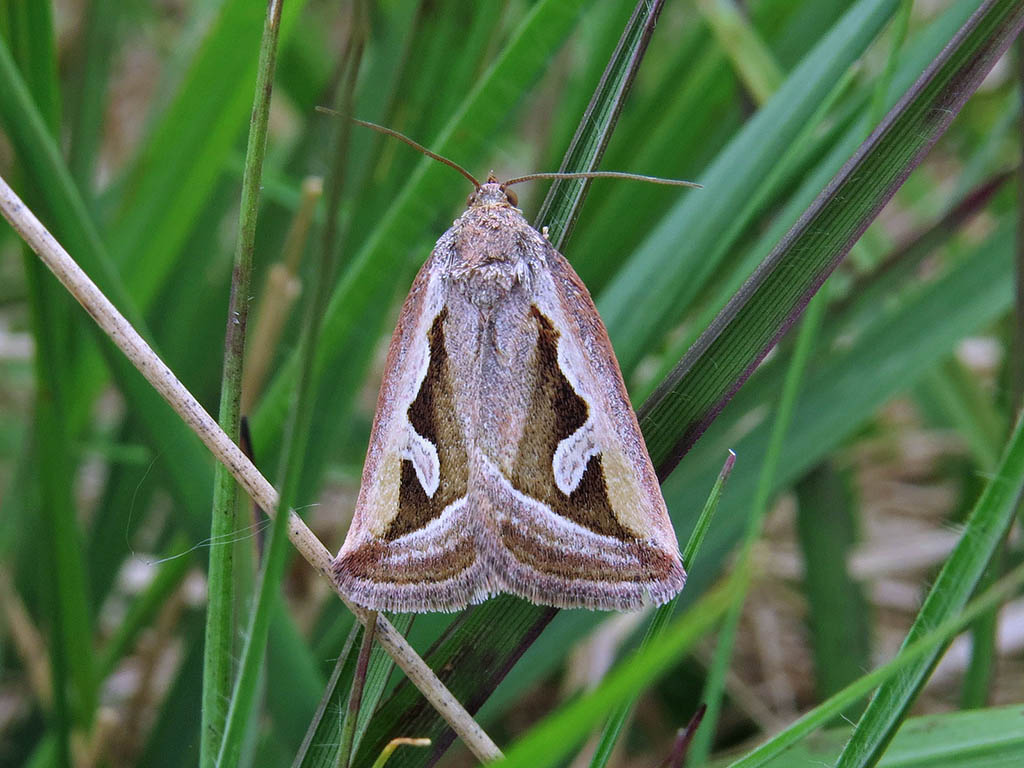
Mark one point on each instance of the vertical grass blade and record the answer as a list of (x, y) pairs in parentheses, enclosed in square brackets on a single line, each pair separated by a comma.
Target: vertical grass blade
[(838, 620), (66, 606), (564, 199), (183, 157), (90, 91), (218, 656), (221, 737)]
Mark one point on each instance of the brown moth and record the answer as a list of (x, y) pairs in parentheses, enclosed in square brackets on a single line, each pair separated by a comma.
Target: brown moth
[(505, 456)]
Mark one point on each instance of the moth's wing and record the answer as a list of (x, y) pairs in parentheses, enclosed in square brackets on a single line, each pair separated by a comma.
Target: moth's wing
[(412, 543), (581, 519)]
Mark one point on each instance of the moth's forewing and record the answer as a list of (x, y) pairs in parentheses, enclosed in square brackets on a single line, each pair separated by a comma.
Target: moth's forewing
[(582, 519), (411, 545)]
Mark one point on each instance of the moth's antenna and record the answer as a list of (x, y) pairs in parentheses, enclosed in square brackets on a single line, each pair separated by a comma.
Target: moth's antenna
[(407, 140), (604, 175)]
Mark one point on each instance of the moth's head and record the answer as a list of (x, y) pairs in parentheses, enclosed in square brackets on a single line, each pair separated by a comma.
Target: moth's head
[(492, 192)]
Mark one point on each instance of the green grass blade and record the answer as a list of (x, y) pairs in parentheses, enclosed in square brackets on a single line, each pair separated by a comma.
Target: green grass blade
[(750, 56), (617, 720), (41, 158), (562, 204), (218, 653), (67, 605), (959, 576), (89, 94), (925, 646), (978, 678), (184, 155), (228, 708), (30, 34), (550, 741), (690, 398), (838, 622), (73, 678), (653, 275)]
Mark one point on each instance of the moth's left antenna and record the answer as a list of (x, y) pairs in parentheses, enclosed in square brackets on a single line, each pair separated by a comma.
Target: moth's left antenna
[(402, 137)]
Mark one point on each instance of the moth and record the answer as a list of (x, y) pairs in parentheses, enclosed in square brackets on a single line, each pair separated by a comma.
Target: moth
[(504, 454)]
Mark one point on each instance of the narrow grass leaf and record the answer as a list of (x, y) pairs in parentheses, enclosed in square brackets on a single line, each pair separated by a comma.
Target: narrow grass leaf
[(184, 155), (666, 273), (550, 741), (218, 647), (73, 679), (838, 621), (982, 738), (714, 368), (88, 96), (617, 720), (923, 646), (750, 56), (562, 204), (954, 585)]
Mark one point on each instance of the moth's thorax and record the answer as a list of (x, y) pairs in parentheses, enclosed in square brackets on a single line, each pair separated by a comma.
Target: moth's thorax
[(492, 248)]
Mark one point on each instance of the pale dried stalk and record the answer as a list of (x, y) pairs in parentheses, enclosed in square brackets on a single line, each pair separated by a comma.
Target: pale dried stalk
[(28, 642), (224, 450)]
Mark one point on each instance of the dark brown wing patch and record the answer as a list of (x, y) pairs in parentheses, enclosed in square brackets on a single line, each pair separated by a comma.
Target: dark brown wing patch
[(557, 411), (433, 417)]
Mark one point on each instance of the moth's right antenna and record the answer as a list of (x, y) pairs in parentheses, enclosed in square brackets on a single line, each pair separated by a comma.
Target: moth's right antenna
[(402, 137), (603, 175)]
